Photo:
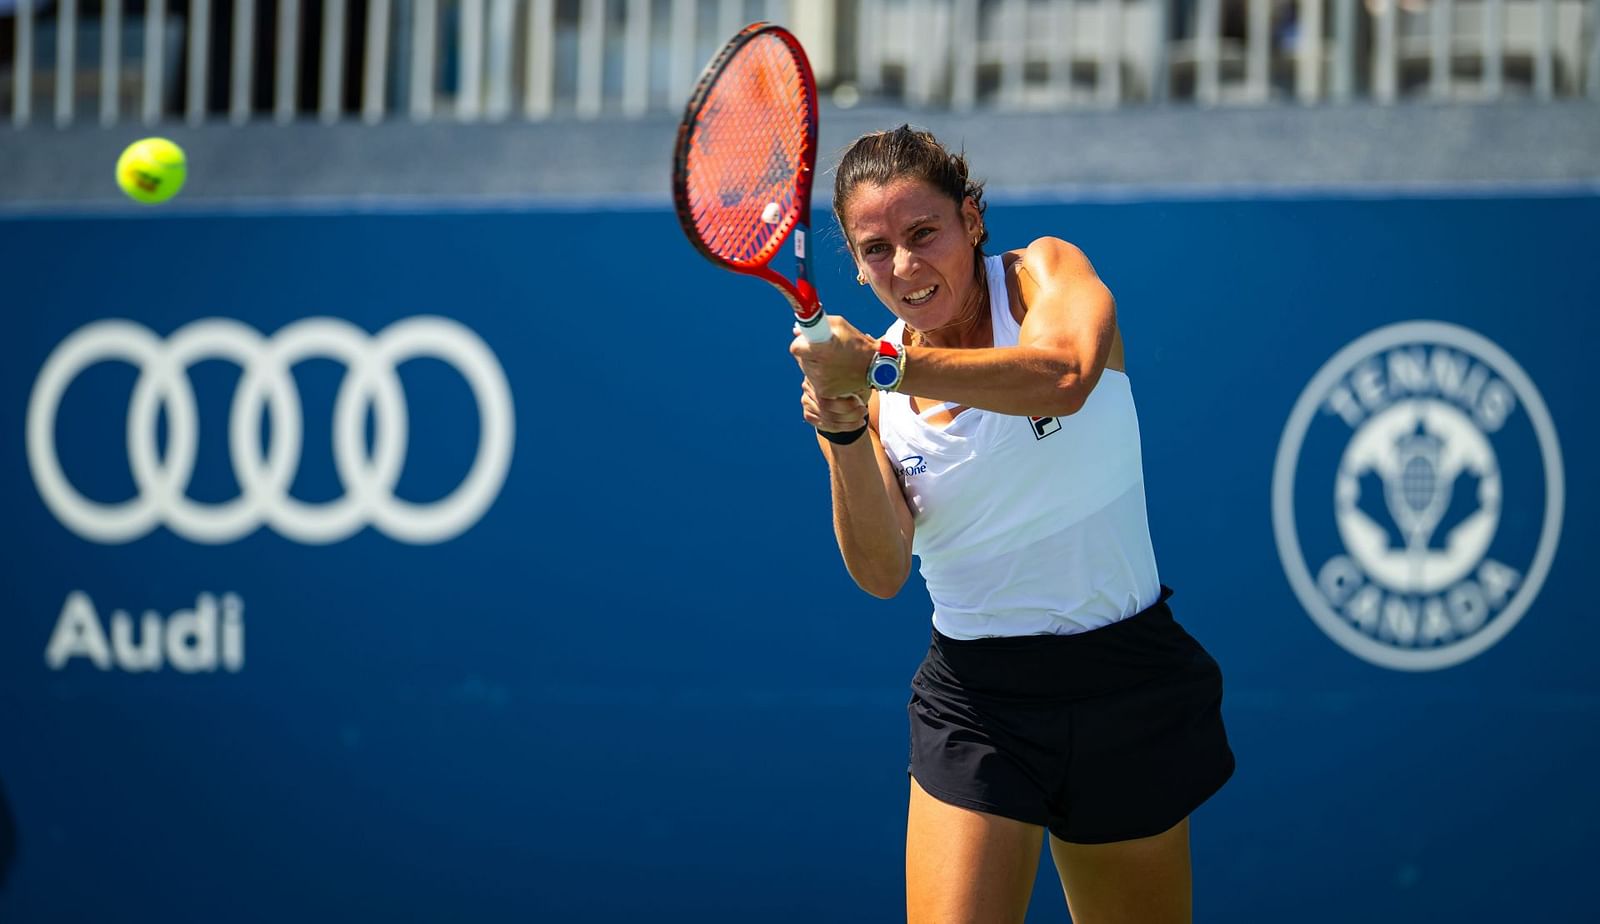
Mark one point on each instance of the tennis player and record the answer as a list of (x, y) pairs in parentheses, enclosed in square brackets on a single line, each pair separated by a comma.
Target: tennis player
[(991, 432)]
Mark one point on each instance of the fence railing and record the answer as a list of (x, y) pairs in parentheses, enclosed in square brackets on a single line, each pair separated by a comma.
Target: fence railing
[(1023, 54), (202, 60)]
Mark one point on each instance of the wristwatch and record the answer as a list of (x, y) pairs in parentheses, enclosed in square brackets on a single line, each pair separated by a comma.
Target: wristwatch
[(887, 368)]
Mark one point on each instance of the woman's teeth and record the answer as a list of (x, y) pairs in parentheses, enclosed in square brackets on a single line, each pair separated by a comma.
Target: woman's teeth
[(920, 297)]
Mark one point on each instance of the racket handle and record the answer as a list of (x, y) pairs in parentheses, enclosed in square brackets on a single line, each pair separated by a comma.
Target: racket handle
[(815, 328)]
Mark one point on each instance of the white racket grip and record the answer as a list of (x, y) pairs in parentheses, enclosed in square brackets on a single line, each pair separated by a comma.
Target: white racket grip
[(817, 331)]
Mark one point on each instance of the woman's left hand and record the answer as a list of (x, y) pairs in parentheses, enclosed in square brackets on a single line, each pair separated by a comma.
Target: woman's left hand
[(838, 366)]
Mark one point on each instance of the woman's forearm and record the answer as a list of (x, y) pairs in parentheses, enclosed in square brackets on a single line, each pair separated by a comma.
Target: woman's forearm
[(875, 547), (1007, 380)]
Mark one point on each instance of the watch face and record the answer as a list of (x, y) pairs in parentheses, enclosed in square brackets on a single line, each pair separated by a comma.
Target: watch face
[(884, 372)]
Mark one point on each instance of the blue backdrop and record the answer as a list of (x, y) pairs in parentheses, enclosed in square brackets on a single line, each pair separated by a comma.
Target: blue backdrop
[(641, 685)]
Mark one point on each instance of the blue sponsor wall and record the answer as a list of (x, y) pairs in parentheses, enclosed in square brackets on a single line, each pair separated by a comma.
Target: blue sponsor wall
[(641, 686)]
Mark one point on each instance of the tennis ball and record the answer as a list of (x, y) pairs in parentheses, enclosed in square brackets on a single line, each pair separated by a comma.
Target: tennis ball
[(152, 170), (772, 214)]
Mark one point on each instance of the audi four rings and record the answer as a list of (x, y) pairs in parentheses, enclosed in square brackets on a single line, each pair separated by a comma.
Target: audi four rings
[(264, 473)]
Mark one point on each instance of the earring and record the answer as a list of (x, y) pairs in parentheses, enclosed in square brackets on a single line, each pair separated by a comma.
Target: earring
[(860, 279)]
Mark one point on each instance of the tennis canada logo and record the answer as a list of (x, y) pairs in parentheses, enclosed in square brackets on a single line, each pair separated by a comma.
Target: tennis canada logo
[(1444, 471)]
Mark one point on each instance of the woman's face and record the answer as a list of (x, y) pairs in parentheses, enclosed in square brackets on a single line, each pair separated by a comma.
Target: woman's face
[(914, 245)]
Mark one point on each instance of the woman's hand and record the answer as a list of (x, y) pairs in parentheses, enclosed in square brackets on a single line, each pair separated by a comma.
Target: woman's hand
[(834, 415), (838, 366)]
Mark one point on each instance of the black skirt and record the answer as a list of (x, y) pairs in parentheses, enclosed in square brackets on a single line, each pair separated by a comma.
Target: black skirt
[(1102, 736)]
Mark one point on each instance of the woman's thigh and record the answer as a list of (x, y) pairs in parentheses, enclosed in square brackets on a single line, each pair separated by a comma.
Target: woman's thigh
[(1141, 881), (967, 866)]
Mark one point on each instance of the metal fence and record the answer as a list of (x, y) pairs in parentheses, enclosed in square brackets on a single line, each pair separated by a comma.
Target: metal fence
[(1022, 54), (200, 60)]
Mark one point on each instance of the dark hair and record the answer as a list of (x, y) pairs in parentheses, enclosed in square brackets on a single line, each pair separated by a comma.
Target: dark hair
[(880, 158)]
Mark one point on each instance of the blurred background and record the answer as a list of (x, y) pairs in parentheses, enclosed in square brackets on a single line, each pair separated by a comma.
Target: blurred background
[(405, 523)]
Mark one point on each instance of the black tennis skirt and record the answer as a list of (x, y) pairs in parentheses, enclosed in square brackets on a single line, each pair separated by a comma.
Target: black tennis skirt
[(1102, 736)]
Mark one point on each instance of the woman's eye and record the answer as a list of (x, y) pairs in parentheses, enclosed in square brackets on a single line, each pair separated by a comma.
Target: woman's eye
[(922, 233), (875, 249)]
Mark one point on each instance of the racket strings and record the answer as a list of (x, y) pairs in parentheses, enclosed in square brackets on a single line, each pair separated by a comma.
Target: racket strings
[(748, 147)]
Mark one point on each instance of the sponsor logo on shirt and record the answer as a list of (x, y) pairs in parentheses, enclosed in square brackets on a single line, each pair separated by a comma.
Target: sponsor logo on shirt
[(910, 465), (1044, 426)]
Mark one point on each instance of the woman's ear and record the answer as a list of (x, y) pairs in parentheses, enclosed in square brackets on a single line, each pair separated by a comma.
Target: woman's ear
[(971, 217)]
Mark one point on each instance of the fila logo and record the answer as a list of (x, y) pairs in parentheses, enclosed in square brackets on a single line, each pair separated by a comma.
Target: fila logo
[(1044, 426)]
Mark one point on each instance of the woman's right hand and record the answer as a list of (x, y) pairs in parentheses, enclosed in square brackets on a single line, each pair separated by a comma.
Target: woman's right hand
[(835, 415)]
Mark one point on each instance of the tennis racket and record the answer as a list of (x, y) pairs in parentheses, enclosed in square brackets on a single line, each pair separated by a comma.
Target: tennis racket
[(744, 160)]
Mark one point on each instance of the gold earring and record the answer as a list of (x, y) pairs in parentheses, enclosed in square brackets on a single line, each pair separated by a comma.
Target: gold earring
[(860, 279)]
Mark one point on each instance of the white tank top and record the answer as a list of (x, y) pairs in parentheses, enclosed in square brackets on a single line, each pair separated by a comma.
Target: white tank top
[(1026, 526)]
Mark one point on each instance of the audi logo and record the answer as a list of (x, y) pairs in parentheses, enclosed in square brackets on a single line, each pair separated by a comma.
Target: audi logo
[(264, 473)]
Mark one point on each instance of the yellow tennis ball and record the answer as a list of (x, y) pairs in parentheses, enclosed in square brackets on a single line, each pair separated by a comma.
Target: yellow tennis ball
[(152, 170)]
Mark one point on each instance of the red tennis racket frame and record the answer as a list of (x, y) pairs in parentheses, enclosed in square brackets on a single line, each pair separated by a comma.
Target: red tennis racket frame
[(796, 222)]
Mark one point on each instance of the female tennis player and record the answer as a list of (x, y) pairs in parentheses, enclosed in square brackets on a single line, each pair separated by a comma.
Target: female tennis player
[(1002, 448)]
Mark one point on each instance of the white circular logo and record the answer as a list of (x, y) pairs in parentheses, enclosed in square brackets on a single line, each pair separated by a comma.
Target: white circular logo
[(264, 474), (1447, 494)]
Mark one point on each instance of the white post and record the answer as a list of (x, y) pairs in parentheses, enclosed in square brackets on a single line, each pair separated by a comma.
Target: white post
[(1309, 53), (815, 24), (423, 38), (1108, 82), (730, 19), (1543, 65), (684, 66), (1158, 70), (1258, 47), (111, 62), (591, 57), (636, 63), (539, 94), (375, 63), (1013, 50), (286, 85), (242, 80), (1494, 24), (469, 61), (869, 35), (66, 61), (1385, 54), (1344, 49), (918, 26), (502, 20), (964, 73), (195, 93), (155, 16), (1208, 23), (22, 66), (1441, 25), (330, 95), (1594, 49)]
